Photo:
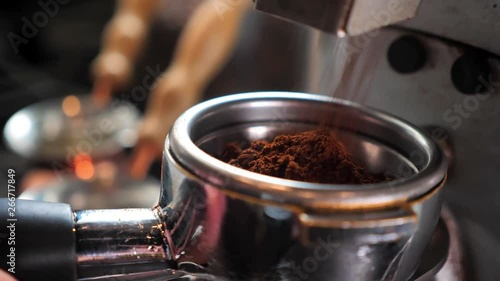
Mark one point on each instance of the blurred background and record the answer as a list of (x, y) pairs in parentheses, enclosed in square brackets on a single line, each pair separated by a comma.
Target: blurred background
[(54, 61)]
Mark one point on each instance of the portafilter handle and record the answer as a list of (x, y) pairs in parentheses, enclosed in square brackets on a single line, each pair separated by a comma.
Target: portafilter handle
[(37, 240), (48, 241)]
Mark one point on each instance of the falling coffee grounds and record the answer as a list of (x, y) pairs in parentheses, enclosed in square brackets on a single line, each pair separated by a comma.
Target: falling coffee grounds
[(312, 156)]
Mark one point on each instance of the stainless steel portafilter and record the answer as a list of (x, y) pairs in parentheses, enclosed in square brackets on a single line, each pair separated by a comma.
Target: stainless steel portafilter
[(214, 221)]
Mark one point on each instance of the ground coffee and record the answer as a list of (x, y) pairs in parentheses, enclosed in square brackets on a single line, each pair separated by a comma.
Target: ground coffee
[(312, 156)]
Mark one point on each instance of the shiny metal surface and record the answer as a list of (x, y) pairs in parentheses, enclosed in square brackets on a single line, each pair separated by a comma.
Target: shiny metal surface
[(203, 130), (157, 275), (45, 132), (436, 254), (455, 268), (346, 17), (123, 193), (428, 98), (112, 242), (476, 23), (473, 23), (245, 226), (207, 229)]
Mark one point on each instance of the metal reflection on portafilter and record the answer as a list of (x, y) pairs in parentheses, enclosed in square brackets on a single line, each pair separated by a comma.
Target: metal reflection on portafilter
[(111, 242)]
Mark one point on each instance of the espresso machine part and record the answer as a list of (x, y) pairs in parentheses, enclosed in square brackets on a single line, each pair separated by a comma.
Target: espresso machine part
[(213, 219), (439, 70), (474, 23), (60, 128), (452, 89), (369, 226), (343, 17), (117, 191)]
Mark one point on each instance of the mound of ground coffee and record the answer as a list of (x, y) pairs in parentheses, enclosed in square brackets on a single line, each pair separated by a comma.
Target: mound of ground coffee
[(313, 156)]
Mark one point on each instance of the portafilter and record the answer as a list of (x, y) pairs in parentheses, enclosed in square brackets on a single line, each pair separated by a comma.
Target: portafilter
[(215, 221)]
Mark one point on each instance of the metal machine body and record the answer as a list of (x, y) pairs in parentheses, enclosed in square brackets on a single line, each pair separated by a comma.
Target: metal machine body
[(466, 124), (345, 17), (439, 70), (473, 23)]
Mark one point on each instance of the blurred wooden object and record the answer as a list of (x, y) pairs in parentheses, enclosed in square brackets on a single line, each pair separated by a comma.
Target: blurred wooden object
[(204, 47)]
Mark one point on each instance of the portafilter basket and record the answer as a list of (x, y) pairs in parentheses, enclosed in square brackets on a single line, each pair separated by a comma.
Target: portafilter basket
[(218, 222)]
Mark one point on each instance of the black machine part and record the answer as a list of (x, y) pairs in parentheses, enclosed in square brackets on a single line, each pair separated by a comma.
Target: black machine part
[(38, 240)]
